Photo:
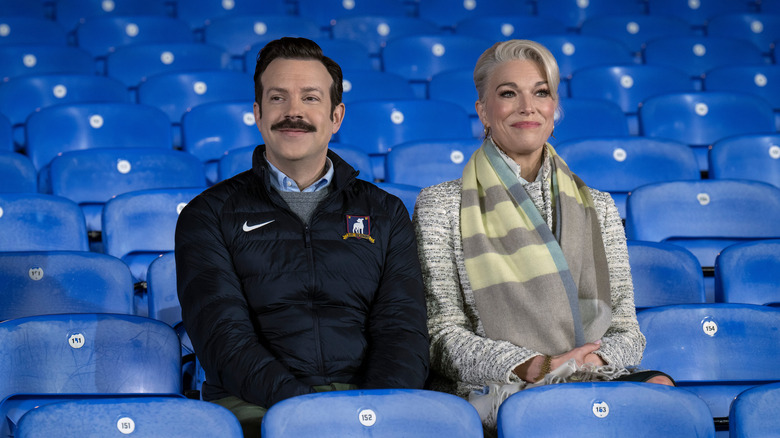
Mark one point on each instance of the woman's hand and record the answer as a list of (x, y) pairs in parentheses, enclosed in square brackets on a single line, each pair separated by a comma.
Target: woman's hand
[(531, 370)]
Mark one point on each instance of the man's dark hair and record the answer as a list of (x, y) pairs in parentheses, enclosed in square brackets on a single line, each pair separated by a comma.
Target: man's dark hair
[(297, 48)]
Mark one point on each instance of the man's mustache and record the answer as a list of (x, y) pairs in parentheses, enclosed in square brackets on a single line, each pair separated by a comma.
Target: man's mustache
[(293, 124)]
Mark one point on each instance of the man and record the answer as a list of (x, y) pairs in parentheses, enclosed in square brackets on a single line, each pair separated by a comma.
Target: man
[(295, 276)]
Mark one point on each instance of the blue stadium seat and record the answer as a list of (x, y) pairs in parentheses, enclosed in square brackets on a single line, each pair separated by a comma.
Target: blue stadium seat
[(769, 7), (35, 59), (588, 118), (93, 177), (51, 282), (369, 84), (139, 226), (380, 413), (101, 36), (25, 9), (426, 163), (618, 165), (349, 54), (143, 417), (200, 13), (604, 409), (17, 174), (574, 13), (760, 79), (67, 127), (49, 358), (177, 92), (447, 14), (457, 86), (326, 13), (752, 412), (748, 273), (696, 13), (406, 193), (17, 30), (664, 274), (374, 31), (419, 57), (697, 55), (6, 135), (635, 30), (234, 161), (211, 129), (703, 216), (356, 158), (38, 222), (161, 289), (236, 34), (71, 13), (574, 52), (699, 119), (134, 63), (753, 157), (761, 29), (713, 350), (503, 27), (22, 96), (398, 121), (628, 86)]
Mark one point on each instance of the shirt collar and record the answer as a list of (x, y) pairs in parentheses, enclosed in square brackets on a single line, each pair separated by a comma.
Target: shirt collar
[(284, 183), (515, 168)]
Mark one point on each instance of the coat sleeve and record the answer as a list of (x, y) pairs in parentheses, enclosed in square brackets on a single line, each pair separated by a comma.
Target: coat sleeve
[(623, 344), (216, 315), (459, 350), (397, 333)]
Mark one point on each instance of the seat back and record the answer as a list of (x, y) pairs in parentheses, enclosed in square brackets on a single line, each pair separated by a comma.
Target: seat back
[(405, 192), (326, 13), (146, 417), (760, 79), (17, 174), (102, 35), (211, 129), (703, 216), (62, 128), (50, 282), (604, 409), (200, 13), (752, 412), (132, 64), (698, 13), (72, 13), (749, 273), (635, 29), (161, 288), (754, 157), (36, 59), (447, 14), (664, 274), (575, 13), (38, 222), (378, 413), (349, 54), (426, 163), (372, 84), (374, 31), (506, 26), (696, 55), (17, 30), (587, 118), (356, 158), (457, 86), (236, 34), (761, 29), (573, 52)]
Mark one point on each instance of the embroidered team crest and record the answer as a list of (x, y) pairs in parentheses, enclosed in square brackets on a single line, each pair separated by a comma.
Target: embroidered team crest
[(359, 227)]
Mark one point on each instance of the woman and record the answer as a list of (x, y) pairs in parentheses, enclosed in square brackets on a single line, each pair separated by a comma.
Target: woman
[(526, 269)]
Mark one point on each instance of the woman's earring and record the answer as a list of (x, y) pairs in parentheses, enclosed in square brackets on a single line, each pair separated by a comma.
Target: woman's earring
[(487, 131)]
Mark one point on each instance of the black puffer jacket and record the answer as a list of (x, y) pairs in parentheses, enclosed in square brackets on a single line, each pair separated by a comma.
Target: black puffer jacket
[(273, 310)]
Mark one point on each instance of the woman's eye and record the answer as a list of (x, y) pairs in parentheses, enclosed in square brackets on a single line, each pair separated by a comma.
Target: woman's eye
[(543, 93), (507, 93)]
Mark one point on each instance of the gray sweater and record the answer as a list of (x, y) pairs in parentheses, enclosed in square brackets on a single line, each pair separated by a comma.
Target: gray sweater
[(460, 351)]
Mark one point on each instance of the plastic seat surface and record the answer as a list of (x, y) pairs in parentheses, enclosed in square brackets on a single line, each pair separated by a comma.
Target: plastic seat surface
[(426, 163), (134, 63), (356, 158), (17, 174), (574, 52), (761, 29), (161, 286), (753, 157), (377, 413), (349, 54), (588, 118), (714, 350), (420, 57), (405, 192), (51, 282), (457, 86), (752, 413), (25, 9), (618, 165), (374, 31), (696, 55), (80, 355), (507, 26), (696, 14), (141, 416), (367, 84), (177, 92), (34, 59), (31, 30), (236, 34), (605, 409), (104, 34), (447, 14), (71, 13), (635, 30), (703, 216), (38, 222), (200, 13), (760, 79), (664, 274), (61, 128), (575, 13), (749, 273), (326, 13)]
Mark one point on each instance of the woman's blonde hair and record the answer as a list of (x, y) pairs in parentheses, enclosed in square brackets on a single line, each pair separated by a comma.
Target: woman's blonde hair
[(513, 50)]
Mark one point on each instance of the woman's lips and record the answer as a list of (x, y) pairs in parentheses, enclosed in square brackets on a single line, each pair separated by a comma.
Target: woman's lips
[(526, 125)]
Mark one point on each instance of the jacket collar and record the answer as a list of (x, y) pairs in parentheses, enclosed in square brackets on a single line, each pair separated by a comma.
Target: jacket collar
[(343, 173)]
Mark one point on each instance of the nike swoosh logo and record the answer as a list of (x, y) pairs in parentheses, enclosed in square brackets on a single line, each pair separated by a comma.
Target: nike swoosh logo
[(247, 228)]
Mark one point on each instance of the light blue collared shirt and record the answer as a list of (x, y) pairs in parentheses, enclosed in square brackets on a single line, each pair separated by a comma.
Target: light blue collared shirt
[(284, 183)]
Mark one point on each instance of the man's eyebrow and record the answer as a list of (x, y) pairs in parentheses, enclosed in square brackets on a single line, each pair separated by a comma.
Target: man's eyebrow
[(285, 91)]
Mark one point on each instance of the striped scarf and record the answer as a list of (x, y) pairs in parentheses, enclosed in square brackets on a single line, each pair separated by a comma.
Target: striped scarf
[(543, 290)]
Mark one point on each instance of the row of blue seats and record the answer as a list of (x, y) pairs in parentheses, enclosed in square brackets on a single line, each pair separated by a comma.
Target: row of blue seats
[(444, 13)]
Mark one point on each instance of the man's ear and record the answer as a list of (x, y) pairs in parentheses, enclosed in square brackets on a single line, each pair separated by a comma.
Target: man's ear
[(338, 117)]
